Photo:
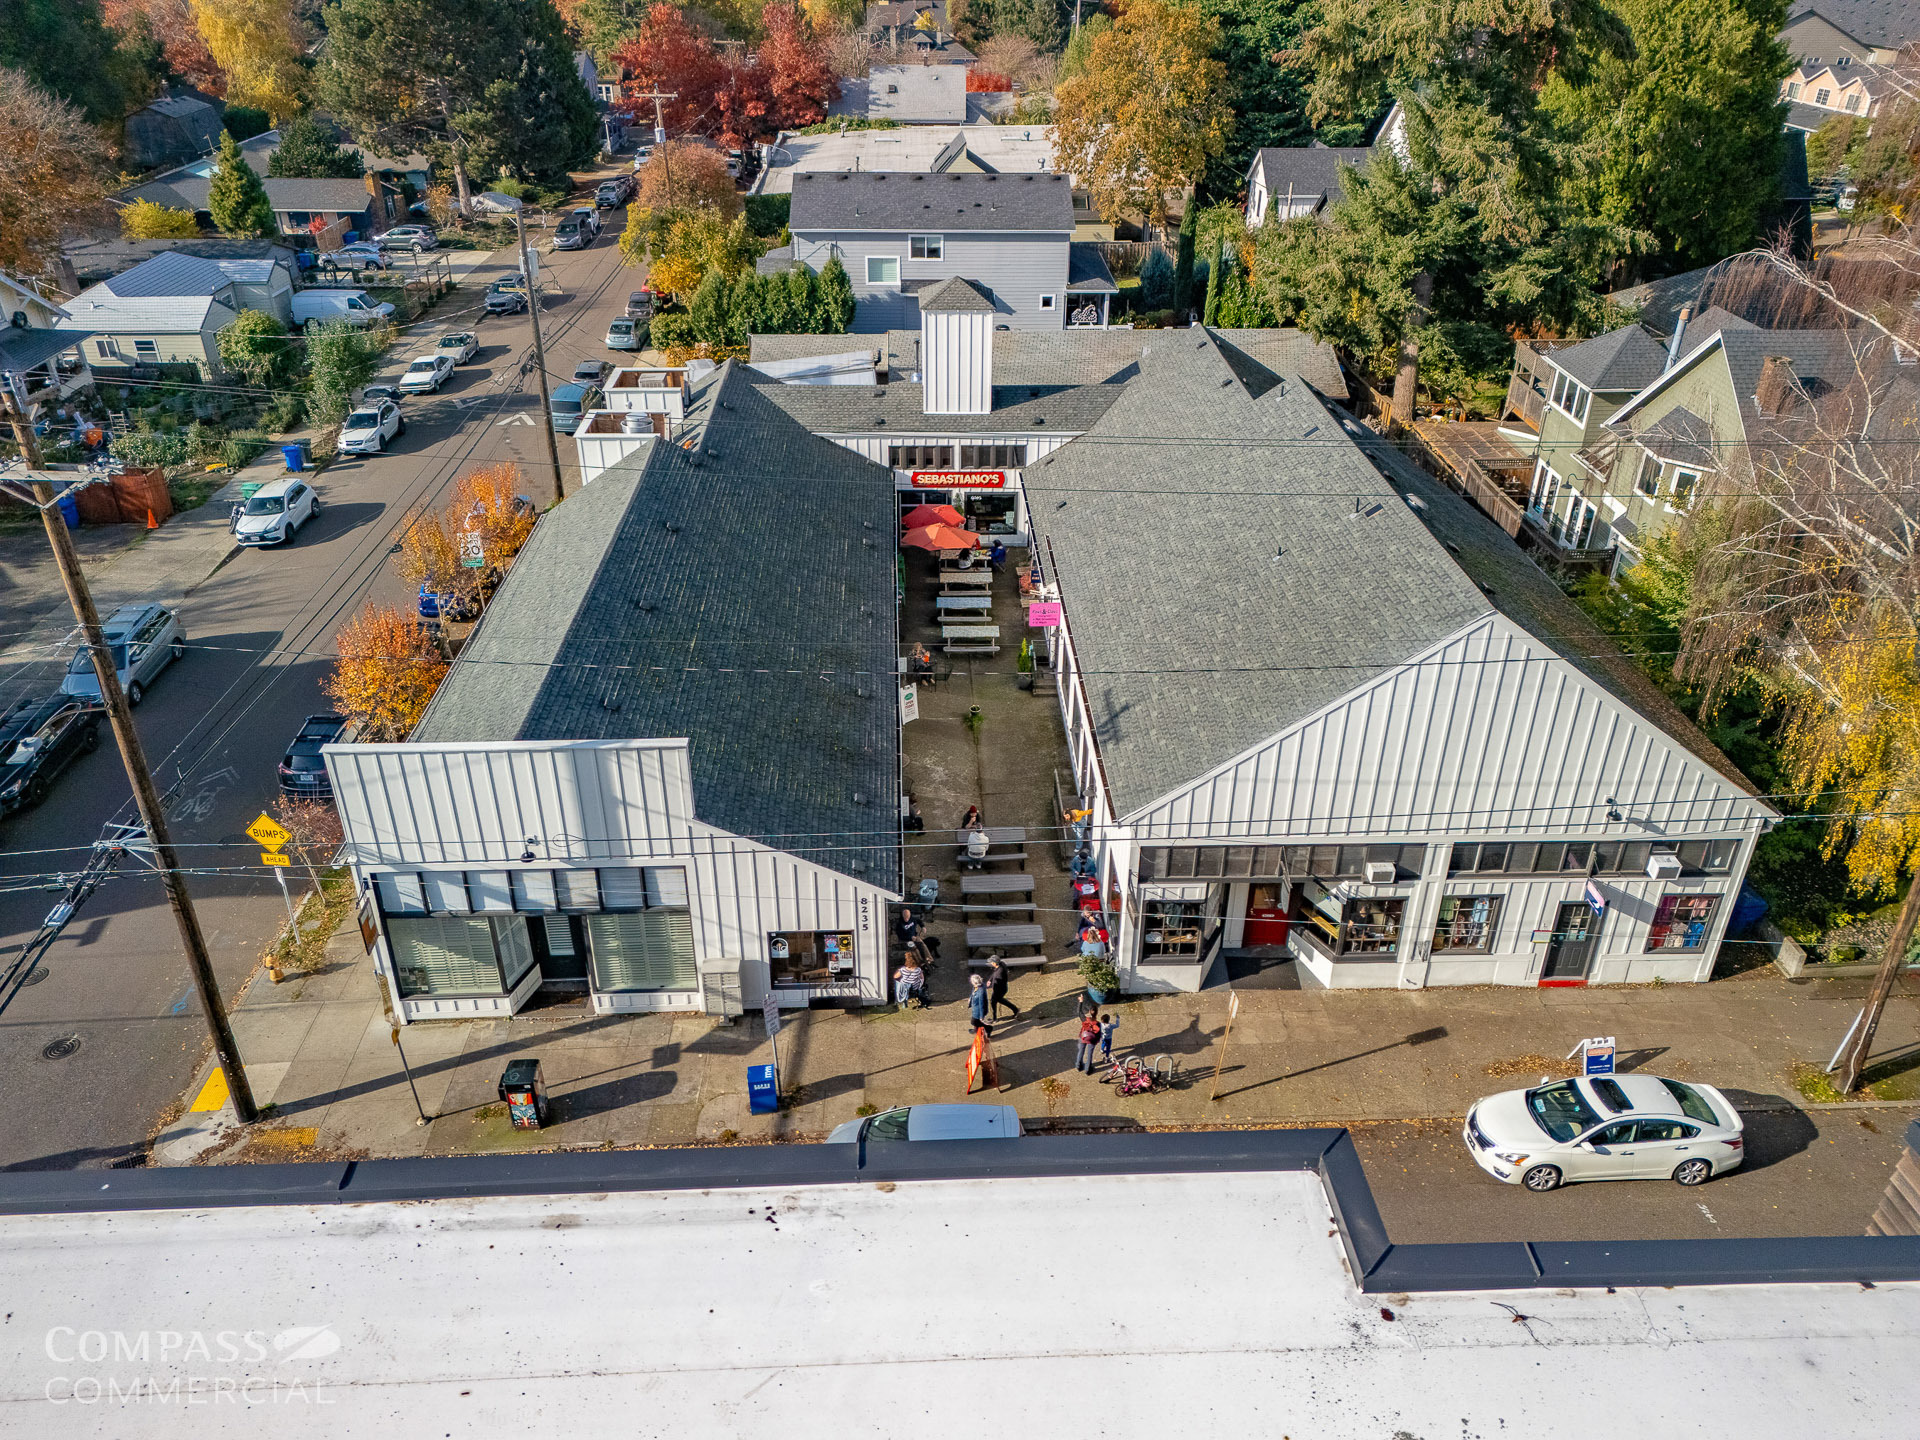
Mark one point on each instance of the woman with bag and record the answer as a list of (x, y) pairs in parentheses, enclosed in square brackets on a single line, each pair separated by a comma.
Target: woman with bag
[(1089, 1040)]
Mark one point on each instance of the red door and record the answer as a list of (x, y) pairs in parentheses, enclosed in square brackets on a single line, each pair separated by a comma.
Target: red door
[(1266, 916)]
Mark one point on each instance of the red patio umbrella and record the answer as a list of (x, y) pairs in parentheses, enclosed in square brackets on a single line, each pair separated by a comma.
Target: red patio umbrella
[(932, 515), (940, 537)]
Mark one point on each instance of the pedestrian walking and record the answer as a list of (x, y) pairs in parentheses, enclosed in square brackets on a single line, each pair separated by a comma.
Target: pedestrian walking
[(1107, 1026), (997, 977), (1085, 1008), (1089, 1038), (997, 557), (977, 1005)]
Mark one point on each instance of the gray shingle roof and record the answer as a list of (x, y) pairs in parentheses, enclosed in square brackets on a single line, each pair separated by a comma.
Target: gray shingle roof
[(189, 192), (953, 295), (1821, 359), (1807, 118), (743, 600), (1623, 359), (1087, 271), (917, 94), (883, 200), (1151, 596), (1310, 170), (1887, 24), (1524, 593), (1681, 436), (896, 409)]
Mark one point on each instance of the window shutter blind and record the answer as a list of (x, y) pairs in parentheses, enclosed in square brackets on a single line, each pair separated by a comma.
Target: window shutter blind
[(653, 951), (444, 957)]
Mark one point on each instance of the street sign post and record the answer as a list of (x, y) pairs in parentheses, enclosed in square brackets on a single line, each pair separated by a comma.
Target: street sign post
[(770, 1015), (271, 834)]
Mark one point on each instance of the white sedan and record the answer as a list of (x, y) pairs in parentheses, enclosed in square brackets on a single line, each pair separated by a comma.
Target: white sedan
[(1605, 1127), (427, 374), (367, 431)]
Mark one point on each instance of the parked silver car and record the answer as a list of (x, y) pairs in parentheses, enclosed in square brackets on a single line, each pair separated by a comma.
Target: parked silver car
[(143, 640)]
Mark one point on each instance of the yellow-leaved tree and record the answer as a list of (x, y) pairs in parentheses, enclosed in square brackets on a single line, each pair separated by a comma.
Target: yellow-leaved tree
[(260, 44), (428, 554), (1140, 122), (490, 503), (144, 220), (387, 672)]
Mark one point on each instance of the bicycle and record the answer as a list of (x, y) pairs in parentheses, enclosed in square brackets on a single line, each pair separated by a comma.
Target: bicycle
[(1135, 1076)]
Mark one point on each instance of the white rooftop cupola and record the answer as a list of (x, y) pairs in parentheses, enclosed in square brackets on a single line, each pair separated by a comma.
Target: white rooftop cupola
[(956, 349)]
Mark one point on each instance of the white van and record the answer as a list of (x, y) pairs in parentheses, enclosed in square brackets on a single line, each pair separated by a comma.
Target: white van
[(352, 306)]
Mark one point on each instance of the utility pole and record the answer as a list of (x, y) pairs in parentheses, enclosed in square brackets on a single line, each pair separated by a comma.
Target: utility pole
[(660, 130), (120, 716), (1854, 1050), (539, 353)]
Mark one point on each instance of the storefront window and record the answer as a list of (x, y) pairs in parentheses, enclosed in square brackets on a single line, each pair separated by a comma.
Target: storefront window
[(1170, 930), (650, 951), (445, 956), (1371, 925), (992, 513), (1275, 862), (810, 957), (920, 457), (1466, 922), (1608, 857), (1680, 922), (992, 457)]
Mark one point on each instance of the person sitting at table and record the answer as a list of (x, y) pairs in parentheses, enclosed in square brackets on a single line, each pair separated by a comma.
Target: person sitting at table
[(910, 982), (1082, 863), (973, 820), (920, 664), (978, 844), (912, 823)]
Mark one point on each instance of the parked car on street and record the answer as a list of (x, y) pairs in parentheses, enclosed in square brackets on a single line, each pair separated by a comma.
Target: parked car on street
[(39, 739), (1605, 1127), (367, 431), (932, 1122), (627, 334), (461, 345), (411, 237), (570, 234), (506, 297), (640, 305), (570, 404), (641, 154), (589, 216), (611, 194), (355, 257), (272, 514), (590, 372), (355, 307), (143, 640), (303, 769), (379, 392), (427, 374)]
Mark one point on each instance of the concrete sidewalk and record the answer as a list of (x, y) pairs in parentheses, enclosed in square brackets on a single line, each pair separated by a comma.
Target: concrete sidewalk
[(319, 1051)]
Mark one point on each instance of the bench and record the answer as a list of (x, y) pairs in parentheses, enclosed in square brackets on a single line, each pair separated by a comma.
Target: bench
[(970, 639), (966, 579), (963, 605), (1004, 842), (997, 907), (1000, 937), (1012, 962)]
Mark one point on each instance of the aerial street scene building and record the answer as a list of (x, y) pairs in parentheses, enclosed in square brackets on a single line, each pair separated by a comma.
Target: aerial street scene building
[(675, 677)]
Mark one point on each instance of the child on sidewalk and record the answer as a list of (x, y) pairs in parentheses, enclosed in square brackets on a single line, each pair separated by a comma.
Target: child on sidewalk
[(1107, 1027)]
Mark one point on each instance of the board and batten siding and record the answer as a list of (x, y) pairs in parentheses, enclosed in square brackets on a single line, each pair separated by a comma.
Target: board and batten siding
[(1016, 267), (1489, 733), (590, 803)]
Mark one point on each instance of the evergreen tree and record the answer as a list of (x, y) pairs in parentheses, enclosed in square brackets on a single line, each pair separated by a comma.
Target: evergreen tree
[(836, 302), (1269, 98), (308, 151), (65, 47), (236, 199), (533, 117), (1209, 314), (1156, 280), (709, 308), (1686, 123), (1183, 255)]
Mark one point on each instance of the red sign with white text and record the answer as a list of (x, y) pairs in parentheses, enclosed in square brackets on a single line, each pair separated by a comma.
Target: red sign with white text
[(959, 479)]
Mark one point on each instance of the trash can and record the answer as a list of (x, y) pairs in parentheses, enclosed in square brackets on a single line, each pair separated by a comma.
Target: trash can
[(525, 1094), (295, 455), (69, 509)]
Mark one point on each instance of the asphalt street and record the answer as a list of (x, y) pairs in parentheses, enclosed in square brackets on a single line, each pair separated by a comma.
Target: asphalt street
[(1806, 1173), (112, 1002)]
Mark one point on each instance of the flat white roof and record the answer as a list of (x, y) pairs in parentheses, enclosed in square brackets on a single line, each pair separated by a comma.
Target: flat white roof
[(1009, 149), (1160, 1305)]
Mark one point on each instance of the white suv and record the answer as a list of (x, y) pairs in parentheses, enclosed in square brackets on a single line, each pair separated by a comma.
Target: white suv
[(273, 512), (367, 431)]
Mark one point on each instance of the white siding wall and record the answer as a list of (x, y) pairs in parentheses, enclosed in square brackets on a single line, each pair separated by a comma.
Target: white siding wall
[(591, 803), (956, 362), (1017, 267)]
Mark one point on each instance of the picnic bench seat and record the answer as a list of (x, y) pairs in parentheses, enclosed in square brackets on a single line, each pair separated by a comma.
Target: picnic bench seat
[(971, 639), (995, 884), (1012, 962), (997, 937), (963, 604), (966, 579), (998, 907), (1005, 842)]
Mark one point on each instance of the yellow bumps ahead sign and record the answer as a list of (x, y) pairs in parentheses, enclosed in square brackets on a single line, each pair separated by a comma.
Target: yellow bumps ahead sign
[(269, 832)]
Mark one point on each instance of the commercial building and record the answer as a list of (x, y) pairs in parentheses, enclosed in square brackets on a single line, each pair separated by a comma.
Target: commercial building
[(664, 772)]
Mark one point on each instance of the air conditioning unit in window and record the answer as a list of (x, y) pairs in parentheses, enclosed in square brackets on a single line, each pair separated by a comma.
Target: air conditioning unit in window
[(1381, 872), (1663, 866)]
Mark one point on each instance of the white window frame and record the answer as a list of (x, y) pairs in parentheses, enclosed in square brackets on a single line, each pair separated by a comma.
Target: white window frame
[(1647, 483), (146, 349), (109, 348), (1570, 397), (929, 247), (1049, 302), (1678, 498), (1546, 489), (1822, 96), (894, 283), (1853, 103)]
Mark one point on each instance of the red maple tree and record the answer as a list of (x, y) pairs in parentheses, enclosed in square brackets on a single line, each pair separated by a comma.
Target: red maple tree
[(799, 75), (738, 97), (985, 82), (669, 55)]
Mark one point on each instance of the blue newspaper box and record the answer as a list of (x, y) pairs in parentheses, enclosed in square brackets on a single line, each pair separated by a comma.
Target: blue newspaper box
[(763, 1090)]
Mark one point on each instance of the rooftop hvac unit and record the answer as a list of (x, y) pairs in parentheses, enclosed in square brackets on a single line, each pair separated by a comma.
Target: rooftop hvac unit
[(1663, 867), (1380, 872)]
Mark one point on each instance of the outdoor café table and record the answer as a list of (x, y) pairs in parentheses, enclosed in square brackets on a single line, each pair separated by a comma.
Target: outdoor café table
[(969, 632), (966, 579), (987, 937), (996, 884), (969, 604)]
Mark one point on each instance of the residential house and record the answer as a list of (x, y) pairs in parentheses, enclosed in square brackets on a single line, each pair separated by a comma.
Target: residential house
[(309, 213), (169, 311), (47, 359), (1010, 236), (93, 261), (170, 130), (1288, 181), (915, 29), (917, 94), (589, 73), (608, 797), (1838, 47), (1343, 715)]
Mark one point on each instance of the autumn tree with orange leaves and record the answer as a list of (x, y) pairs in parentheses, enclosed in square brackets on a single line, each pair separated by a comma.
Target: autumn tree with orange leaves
[(491, 503), (387, 672)]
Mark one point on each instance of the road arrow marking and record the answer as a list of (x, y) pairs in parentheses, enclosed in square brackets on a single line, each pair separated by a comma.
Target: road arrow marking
[(515, 420)]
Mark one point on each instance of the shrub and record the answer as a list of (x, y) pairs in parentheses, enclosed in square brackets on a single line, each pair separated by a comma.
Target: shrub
[(149, 447), (144, 220), (768, 214), (672, 331), (203, 441), (242, 446), (285, 414), (243, 122), (1097, 974)]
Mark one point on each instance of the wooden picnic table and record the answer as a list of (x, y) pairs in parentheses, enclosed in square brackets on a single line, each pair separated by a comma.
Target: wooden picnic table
[(994, 937), (966, 579), (971, 604), (995, 884), (969, 632)]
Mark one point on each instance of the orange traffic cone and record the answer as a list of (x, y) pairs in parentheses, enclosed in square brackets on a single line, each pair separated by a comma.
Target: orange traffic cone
[(152, 524)]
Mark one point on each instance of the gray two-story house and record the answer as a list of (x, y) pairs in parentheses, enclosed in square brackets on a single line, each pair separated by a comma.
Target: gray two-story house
[(898, 234)]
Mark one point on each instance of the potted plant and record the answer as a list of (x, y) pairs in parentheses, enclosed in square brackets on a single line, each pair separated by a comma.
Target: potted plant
[(1025, 665), (1099, 976)]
